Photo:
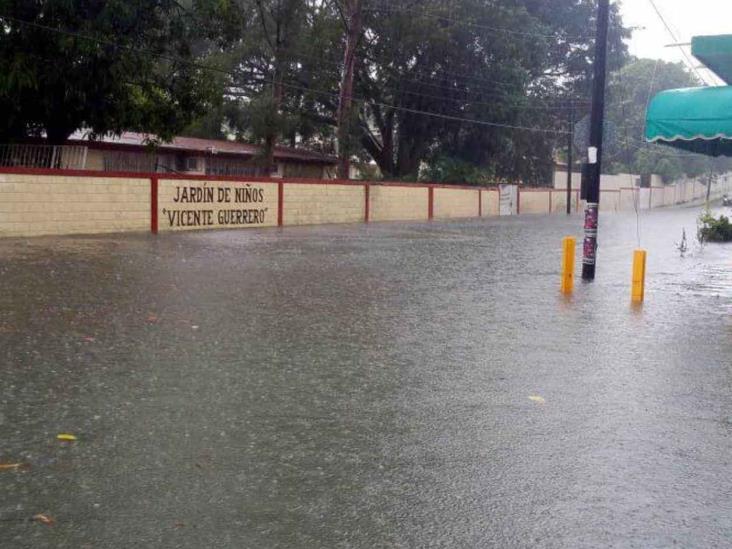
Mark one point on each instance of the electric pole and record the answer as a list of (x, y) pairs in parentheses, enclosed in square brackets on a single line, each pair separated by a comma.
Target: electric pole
[(353, 33), (594, 152), (570, 145)]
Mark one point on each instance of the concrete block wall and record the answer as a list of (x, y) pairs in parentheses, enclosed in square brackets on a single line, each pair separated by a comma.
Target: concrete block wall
[(455, 203), (535, 201), (398, 203), (559, 201), (318, 203), (610, 201), (490, 202), (669, 196), (658, 197), (628, 199), (39, 202), (33, 205)]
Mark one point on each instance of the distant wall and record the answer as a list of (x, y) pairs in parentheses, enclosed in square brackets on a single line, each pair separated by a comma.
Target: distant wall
[(608, 182), (559, 201), (535, 201)]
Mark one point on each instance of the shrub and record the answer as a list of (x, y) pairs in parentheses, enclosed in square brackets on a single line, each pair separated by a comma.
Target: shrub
[(712, 229)]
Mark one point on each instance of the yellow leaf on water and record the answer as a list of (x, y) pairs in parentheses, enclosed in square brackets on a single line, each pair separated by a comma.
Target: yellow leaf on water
[(43, 519), (537, 399), (4, 466), (66, 437)]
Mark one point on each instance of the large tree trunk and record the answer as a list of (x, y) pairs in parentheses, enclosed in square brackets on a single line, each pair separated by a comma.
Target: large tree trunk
[(408, 160), (382, 152), (353, 32)]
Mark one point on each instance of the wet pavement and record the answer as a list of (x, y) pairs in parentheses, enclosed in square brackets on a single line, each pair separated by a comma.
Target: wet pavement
[(365, 386)]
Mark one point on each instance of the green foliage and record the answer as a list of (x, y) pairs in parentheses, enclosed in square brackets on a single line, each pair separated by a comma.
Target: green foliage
[(712, 229), (513, 63), (454, 170), (629, 90), (101, 65), (420, 60), (269, 70)]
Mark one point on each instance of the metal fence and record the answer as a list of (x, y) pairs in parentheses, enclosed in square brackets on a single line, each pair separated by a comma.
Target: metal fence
[(65, 157)]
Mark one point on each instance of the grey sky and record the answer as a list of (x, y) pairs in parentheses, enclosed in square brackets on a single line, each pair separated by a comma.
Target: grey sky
[(686, 19)]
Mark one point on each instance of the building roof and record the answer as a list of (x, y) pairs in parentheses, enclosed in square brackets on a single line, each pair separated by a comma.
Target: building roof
[(202, 146)]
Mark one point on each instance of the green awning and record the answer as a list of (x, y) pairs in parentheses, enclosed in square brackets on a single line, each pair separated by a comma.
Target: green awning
[(694, 119), (716, 54)]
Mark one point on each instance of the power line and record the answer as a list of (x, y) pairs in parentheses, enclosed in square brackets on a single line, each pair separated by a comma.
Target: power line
[(425, 72), (465, 22), (433, 114), (487, 92), (673, 37), (301, 88)]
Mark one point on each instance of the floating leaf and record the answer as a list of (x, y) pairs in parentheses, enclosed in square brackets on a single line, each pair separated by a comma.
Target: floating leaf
[(66, 437), (43, 519), (12, 466), (537, 399)]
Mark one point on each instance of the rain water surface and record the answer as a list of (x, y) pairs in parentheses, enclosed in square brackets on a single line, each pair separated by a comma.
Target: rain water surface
[(389, 385)]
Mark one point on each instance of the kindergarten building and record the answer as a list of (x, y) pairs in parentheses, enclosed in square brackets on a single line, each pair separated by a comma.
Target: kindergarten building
[(134, 153)]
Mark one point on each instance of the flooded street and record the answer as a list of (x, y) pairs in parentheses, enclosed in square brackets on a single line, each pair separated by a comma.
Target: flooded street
[(390, 385)]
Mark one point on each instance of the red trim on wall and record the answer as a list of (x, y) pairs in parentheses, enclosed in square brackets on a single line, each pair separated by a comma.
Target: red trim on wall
[(231, 178), (366, 203), (280, 203), (154, 205), (430, 202)]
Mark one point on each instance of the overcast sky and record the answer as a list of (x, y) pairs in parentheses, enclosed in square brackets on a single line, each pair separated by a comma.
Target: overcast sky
[(686, 18)]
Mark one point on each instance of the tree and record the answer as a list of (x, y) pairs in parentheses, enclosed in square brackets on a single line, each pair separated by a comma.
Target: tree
[(629, 91), (102, 65), (472, 61), (462, 82)]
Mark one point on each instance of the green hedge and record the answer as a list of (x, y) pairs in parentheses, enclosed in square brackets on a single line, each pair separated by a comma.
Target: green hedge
[(712, 229)]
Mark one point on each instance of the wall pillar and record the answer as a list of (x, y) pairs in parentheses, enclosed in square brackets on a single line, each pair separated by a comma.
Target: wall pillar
[(154, 205)]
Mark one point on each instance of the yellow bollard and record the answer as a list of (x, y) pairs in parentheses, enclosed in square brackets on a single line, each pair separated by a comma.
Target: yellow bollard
[(568, 246), (639, 276)]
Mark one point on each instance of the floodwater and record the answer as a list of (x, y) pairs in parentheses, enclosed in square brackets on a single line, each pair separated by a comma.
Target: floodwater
[(391, 385)]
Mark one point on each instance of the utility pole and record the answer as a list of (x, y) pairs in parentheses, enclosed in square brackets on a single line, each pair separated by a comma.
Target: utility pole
[(353, 33), (570, 146), (594, 152)]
